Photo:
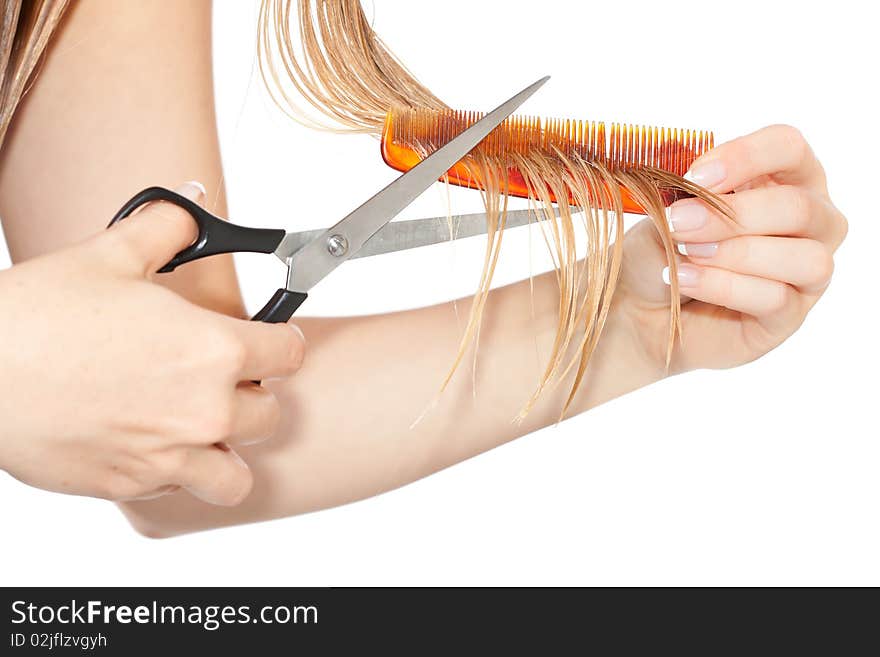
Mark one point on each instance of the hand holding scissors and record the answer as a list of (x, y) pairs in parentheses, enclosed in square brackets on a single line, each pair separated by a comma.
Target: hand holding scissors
[(128, 391)]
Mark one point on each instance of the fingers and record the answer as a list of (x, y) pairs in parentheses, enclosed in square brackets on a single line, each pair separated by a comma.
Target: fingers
[(156, 233), (269, 350), (781, 210), (775, 261), (214, 474), (255, 416), (778, 210), (248, 352), (778, 151), (759, 297), (804, 263)]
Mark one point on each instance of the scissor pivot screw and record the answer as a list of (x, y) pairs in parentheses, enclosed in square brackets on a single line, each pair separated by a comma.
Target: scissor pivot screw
[(337, 245)]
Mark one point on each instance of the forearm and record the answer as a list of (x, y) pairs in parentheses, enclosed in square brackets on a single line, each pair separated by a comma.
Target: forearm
[(347, 426)]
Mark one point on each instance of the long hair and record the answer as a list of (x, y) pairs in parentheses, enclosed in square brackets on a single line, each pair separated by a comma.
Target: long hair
[(27, 26), (327, 52)]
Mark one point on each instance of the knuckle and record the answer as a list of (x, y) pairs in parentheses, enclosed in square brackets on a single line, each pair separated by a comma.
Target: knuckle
[(215, 419), (227, 351), (745, 248), (823, 265), (168, 465), (236, 356), (740, 150), (117, 486), (104, 489), (778, 297), (787, 132), (725, 288), (793, 141), (842, 226), (737, 251), (219, 425), (797, 206), (121, 249)]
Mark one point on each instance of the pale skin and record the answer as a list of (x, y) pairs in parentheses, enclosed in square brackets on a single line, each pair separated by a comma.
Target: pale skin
[(78, 426), (744, 297)]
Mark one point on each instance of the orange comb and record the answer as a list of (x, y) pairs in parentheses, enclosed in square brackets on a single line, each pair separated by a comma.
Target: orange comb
[(408, 133)]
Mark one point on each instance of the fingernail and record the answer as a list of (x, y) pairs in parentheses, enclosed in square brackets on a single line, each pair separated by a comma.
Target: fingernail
[(707, 174), (299, 352), (704, 250), (193, 190), (688, 275), (298, 331), (687, 215)]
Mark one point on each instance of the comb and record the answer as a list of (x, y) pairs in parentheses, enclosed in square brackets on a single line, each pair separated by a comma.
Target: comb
[(409, 135)]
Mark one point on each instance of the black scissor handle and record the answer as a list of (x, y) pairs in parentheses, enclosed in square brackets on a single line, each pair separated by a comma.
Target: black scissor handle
[(280, 307), (218, 236), (215, 235)]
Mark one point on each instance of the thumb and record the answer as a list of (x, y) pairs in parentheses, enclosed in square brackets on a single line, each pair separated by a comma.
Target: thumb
[(158, 231)]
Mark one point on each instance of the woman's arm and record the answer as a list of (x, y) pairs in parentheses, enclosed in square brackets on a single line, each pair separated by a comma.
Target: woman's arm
[(134, 78), (346, 429), (123, 100)]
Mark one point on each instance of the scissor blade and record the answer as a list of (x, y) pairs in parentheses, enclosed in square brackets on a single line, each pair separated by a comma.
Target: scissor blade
[(415, 233), (340, 242), (411, 234)]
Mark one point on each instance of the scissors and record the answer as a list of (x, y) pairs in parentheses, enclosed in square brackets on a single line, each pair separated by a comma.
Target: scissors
[(311, 255)]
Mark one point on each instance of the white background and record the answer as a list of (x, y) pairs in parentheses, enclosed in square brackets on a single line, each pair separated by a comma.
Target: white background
[(767, 474)]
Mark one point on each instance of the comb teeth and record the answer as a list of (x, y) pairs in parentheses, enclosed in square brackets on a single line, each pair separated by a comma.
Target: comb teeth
[(621, 146)]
